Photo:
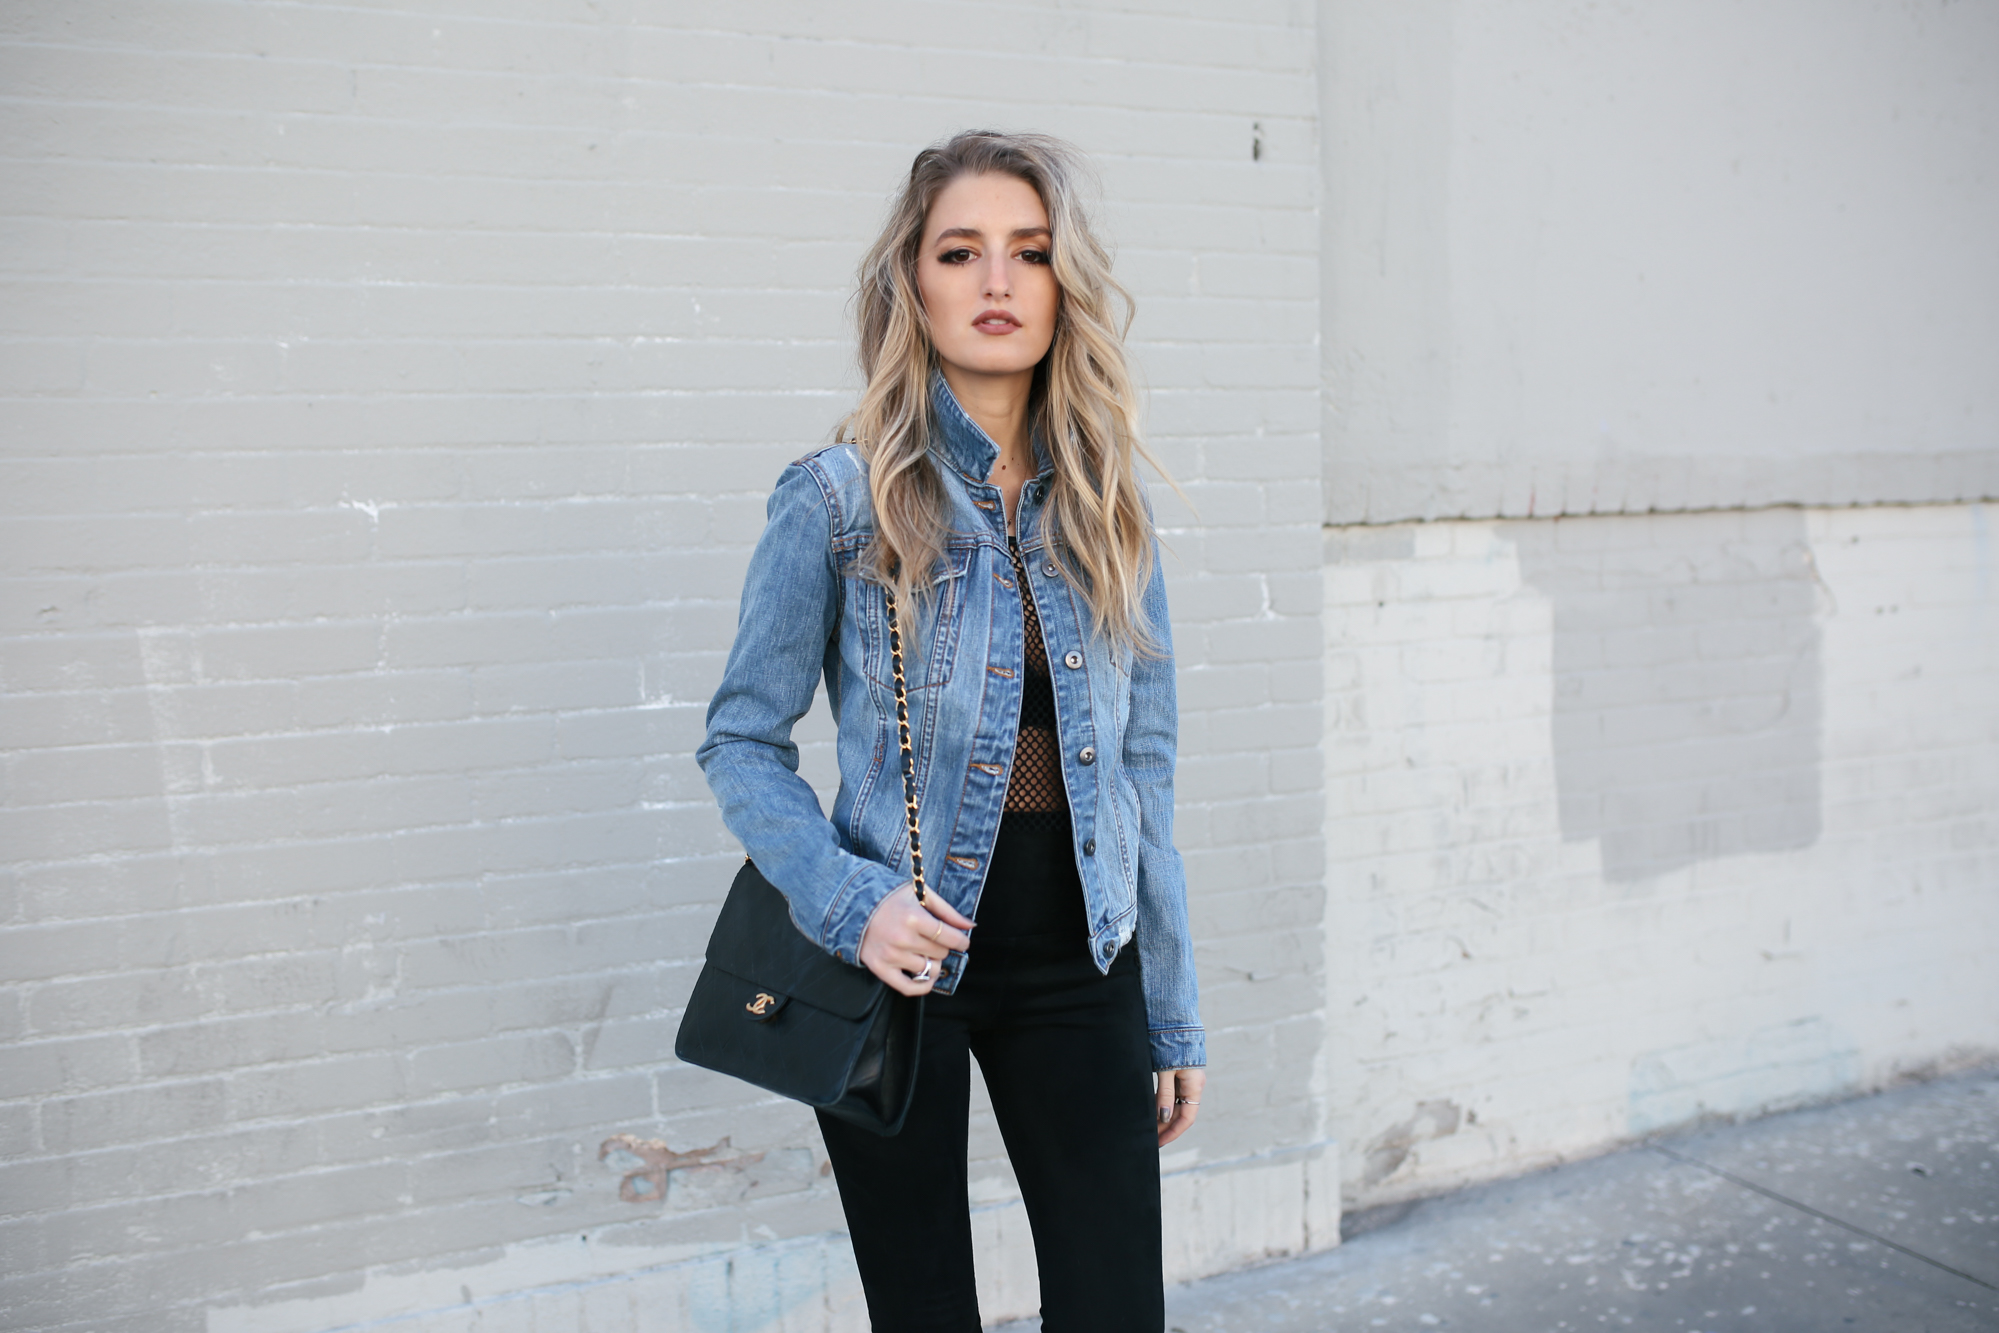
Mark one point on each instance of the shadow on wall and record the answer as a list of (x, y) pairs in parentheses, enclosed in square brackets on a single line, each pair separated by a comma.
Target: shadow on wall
[(1687, 684)]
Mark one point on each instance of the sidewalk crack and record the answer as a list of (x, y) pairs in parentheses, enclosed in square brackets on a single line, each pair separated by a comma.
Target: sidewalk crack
[(1789, 1202)]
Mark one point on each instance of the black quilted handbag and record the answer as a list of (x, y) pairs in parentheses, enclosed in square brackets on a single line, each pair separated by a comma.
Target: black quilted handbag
[(773, 1008)]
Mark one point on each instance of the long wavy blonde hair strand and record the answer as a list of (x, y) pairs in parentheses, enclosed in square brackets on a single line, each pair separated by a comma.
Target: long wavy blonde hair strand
[(1084, 411)]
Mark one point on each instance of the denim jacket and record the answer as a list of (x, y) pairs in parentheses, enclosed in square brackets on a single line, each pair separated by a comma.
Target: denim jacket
[(807, 612)]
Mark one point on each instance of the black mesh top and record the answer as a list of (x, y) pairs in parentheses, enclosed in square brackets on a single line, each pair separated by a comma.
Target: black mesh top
[(1035, 797)]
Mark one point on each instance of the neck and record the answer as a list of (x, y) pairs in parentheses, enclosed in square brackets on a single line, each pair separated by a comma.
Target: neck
[(999, 404)]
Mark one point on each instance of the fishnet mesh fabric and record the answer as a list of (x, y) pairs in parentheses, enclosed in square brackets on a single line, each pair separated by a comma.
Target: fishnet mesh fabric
[(1035, 796)]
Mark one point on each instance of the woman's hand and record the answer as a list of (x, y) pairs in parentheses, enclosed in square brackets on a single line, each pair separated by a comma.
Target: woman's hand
[(905, 940), (1179, 1101)]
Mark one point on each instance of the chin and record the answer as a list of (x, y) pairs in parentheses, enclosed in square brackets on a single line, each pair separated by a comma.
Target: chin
[(996, 365)]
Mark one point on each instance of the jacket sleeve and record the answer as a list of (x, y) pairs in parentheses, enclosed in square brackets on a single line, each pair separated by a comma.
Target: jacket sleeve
[(1165, 940), (784, 630)]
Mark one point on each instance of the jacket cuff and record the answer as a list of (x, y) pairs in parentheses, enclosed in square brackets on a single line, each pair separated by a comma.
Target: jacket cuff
[(847, 919), (1179, 1048)]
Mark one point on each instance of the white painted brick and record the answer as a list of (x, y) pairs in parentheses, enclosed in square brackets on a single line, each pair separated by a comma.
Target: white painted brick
[(1480, 938)]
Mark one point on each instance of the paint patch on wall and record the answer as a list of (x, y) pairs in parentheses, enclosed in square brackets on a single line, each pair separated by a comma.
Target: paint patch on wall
[(1391, 1148), (1687, 683), (646, 1163), (713, 1177)]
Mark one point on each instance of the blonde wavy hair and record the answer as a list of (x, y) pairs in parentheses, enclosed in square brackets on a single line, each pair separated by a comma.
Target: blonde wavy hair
[(1084, 408)]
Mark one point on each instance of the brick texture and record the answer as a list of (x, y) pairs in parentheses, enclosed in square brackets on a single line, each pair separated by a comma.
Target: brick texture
[(1637, 821), (390, 394), (390, 391)]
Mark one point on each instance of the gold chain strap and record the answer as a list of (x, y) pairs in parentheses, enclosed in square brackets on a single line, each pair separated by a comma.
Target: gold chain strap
[(908, 756)]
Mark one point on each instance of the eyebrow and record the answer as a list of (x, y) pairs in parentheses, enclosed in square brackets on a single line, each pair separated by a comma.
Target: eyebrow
[(973, 233)]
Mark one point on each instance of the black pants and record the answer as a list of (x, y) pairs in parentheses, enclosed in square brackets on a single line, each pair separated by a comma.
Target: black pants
[(1064, 1053)]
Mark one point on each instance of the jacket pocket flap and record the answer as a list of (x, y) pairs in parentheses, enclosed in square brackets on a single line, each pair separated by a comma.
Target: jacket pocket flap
[(755, 940), (952, 564)]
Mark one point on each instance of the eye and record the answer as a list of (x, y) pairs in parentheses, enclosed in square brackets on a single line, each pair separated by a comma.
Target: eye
[(961, 255), (1034, 256)]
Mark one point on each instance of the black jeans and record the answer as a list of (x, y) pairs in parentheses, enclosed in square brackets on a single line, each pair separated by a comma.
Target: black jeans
[(1064, 1053)]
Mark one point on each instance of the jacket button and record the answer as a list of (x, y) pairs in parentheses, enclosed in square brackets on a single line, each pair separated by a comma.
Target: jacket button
[(1072, 659), (1089, 846), (1048, 568), (1087, 755)]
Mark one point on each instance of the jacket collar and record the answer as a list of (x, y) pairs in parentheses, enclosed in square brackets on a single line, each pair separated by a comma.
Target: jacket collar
[(962, 441)]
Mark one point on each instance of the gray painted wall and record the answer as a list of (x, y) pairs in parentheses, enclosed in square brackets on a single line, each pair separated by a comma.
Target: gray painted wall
[(1659, 787), (390, 396), (388, 399), (1592, 258)]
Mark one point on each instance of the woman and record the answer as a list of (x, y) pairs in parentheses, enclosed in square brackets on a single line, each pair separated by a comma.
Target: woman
[(988, 481)]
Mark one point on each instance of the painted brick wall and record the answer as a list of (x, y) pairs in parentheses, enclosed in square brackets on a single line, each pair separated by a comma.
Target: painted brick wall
[(1633, 821), (390, 394)]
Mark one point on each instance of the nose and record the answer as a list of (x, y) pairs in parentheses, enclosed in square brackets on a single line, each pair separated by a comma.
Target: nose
[(997, 282)]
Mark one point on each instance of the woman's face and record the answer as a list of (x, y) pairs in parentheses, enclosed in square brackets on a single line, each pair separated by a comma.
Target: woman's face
[(984, 277)]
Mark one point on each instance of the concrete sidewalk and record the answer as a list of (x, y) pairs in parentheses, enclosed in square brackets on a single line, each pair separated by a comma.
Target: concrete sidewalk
[(1874, 1215)]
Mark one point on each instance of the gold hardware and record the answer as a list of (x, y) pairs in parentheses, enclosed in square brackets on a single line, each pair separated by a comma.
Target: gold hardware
[(908, 758), (761, 1005)]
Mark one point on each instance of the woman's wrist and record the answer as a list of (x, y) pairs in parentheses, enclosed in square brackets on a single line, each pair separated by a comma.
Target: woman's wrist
[(875, 911)]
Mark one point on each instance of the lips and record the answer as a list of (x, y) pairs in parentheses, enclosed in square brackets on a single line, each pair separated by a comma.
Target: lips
[(995, 321)]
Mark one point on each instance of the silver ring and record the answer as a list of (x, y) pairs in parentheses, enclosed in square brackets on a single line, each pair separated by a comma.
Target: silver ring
[(924, 975)]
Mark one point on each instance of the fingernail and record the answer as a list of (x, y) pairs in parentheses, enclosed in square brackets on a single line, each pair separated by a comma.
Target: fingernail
[(1165, 1114)]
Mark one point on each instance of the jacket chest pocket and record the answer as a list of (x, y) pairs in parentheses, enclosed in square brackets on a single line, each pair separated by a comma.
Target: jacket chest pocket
[(930, 631)]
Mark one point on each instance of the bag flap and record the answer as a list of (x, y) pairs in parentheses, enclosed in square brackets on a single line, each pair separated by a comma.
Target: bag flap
[(755, 940)]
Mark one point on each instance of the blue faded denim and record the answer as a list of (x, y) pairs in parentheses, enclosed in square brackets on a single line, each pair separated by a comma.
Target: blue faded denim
[(807, 612)]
